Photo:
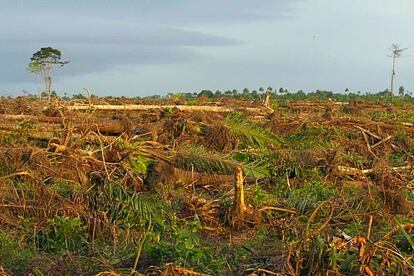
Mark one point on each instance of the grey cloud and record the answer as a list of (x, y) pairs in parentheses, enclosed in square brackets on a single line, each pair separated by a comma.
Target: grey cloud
[(78, 29), (325, 44), (97, 36), (168, 11), (88, 58), (94, 44)]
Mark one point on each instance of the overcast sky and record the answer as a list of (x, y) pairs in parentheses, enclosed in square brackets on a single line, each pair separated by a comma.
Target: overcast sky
[(145, 47)]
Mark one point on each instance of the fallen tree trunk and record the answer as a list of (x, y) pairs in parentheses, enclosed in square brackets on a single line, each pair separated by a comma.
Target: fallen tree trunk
[(47, 135), (356, 171), (44, 119), (107, 127), (138, 107)]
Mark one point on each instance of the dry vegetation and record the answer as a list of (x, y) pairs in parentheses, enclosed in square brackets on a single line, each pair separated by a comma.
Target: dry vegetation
[(298, 188)]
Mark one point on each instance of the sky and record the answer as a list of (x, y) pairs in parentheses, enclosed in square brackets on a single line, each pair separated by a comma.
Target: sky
[(146, 47)]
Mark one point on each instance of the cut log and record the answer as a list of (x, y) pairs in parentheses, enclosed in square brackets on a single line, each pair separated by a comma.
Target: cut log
[(356, 171), (138, 107)]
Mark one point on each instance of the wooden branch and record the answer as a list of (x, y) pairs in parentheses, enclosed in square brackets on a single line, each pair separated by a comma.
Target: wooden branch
[(368, 132), (368, 145), (382, 141), (271, 208), (369, 227), (394, 147), (353, 171)]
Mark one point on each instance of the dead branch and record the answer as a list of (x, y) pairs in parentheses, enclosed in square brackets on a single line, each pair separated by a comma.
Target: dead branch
[(270, 208), (382, 141)]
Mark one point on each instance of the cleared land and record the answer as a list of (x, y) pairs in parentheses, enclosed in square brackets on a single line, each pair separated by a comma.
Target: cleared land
[(120, 186)]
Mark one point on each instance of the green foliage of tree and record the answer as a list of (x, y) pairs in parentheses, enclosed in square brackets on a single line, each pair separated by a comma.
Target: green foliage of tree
[(206, 93), (78, 96), (401, 91)]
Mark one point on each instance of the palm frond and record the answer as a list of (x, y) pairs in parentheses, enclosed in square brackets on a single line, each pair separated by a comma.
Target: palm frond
[(121, 204), (200, 159), (197, 158), (254, 163), (248, 132), (256, 170)]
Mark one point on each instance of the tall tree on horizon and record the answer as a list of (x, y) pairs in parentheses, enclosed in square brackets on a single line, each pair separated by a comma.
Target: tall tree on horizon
[(396, 52), (42, 62)]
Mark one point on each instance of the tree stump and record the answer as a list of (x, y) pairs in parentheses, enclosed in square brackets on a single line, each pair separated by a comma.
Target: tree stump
[(240, 210)]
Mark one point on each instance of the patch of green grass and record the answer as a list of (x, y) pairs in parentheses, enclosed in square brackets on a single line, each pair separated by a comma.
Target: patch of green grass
[(309, 195), (314, 136), (183, 246), (14, 255), (382, 116), (141, 164), (354, 159), (64, 234), (357, 201), (258, 195), (398, 158), (355, 227), (65, 188)]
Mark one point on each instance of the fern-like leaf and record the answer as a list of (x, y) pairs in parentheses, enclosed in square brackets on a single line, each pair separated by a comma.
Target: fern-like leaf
[(248, 132), (197, 158)]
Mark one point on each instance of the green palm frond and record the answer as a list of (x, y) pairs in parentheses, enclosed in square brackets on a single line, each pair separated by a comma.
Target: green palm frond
[(148, 149), (199, 159), (126, 206), (256, 170), (254, 162), (140, 164), (248, 132)]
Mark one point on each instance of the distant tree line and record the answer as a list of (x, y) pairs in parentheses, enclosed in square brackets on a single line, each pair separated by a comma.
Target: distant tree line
[(283, 93), (258, 95)]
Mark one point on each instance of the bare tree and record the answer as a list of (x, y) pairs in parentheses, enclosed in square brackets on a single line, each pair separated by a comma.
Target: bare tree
[(267, 98), (396, 52)]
